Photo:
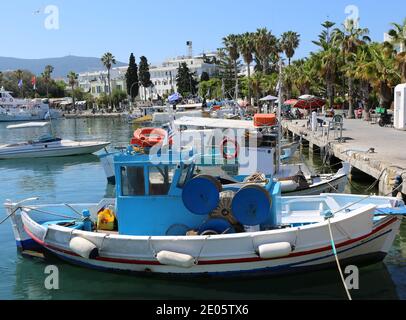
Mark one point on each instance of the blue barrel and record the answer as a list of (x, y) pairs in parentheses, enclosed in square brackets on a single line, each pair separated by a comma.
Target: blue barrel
[(216, 225), (201, 195), (251, 205)]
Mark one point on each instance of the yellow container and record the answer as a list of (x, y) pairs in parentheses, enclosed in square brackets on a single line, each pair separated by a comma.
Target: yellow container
[(105, 220)]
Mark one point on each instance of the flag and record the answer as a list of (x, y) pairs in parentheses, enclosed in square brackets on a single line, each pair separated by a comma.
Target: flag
[(20, 83), (34, 82)]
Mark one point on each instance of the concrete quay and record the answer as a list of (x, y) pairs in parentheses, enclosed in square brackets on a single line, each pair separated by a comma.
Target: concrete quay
[(378, 152)]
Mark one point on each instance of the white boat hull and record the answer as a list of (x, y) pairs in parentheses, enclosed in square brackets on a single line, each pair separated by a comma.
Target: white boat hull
[(53, 149), (358, 237)]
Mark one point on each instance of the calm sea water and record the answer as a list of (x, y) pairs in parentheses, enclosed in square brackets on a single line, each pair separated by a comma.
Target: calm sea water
[(81, 179)]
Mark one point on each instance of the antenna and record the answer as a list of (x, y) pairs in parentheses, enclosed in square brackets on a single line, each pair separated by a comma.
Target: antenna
[(190, 48)]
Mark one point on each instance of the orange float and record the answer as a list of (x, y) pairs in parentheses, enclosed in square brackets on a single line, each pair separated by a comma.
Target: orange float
[(148, 137)]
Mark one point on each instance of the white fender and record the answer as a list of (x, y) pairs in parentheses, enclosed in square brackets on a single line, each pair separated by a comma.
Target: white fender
[(288, 185), (84, 248), (274, 250), (175, 259)]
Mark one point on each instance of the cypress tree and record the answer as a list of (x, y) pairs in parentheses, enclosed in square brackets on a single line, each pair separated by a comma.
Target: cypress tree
[(185, 80), (132, 78), (144, 75)]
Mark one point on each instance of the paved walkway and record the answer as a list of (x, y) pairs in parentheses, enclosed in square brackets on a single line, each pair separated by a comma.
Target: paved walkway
[(388, 143)]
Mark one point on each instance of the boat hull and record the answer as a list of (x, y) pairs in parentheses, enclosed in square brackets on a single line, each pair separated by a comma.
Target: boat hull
[(51, 150), (232, 255)]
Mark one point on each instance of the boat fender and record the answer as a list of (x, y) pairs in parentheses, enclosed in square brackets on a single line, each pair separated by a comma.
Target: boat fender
[(84, 248), (274, 250), (175, 259)]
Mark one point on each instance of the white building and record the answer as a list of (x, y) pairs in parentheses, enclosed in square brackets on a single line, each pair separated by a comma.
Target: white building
[(163, 77), (96, 83)]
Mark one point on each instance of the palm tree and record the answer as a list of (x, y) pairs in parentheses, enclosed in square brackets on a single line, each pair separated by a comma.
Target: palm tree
[(46, 76), (289, 42), (72, 79), (349, 39), (398, 38), (108, 60), (231, 43), (325, 62), (378, 67), (266, 47), (246, 47)]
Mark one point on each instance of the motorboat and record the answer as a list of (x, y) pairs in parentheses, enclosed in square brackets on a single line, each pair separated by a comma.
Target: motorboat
[(47, 145), (168, 219)]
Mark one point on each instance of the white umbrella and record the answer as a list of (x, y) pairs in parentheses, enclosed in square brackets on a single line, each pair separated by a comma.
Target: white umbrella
[(269, 98)]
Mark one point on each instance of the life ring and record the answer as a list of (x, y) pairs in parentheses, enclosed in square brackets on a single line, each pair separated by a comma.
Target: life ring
[(148, 137), (223, 151)]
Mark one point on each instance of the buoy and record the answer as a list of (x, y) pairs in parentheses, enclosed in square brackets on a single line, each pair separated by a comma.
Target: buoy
[(175, 259), (274, 250), (201, 195), (84, 248), (251, 205), (288, 185)]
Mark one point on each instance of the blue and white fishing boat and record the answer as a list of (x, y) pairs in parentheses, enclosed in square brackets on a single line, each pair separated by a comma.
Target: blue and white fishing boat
[(167, 219)]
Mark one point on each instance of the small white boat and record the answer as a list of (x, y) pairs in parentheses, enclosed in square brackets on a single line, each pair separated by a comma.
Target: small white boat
[(171, 222), (47, 145)]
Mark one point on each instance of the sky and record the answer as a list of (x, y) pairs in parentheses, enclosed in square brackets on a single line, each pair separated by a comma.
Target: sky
[(159, 29)]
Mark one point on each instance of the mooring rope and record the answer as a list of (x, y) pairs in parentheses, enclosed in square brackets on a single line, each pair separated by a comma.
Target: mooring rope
[(333, 247)]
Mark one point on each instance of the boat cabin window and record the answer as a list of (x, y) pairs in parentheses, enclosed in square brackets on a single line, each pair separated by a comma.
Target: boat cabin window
[(132, 181), (160, 179)]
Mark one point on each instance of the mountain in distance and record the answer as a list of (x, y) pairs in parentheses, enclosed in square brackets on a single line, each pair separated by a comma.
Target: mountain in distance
[(62, 66)]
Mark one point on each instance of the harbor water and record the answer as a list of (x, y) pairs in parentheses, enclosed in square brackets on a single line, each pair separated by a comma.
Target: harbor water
[(82, 179)]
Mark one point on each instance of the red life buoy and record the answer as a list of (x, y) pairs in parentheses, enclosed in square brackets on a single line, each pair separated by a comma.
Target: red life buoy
[(223, 151), (148, 137)]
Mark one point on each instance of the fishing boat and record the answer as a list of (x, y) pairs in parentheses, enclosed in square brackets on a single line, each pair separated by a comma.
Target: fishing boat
[(47, 145), (168, 219)]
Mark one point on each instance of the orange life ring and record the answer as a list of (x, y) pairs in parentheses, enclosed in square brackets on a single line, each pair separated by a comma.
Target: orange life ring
[(223, 151), (148, 137)]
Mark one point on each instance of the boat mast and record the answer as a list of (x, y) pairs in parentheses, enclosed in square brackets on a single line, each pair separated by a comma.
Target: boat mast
[(279, 149)]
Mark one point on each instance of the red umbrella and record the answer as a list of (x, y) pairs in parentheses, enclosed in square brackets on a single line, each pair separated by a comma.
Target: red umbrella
[(309, 102), (291, 102)]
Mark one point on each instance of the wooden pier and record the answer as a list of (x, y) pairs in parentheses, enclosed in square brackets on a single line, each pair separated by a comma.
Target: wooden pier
[(378, 152)]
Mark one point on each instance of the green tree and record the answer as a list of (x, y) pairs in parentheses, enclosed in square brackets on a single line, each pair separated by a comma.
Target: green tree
[(349, 39), (398, 38), (144, 75), (132, 78), (289, 43), (185, 80), (231, 43), (108, 60), (246, 46), (72, 80), (118, 97), (266, 49), (204, 76), (47, 77), (210, 89)]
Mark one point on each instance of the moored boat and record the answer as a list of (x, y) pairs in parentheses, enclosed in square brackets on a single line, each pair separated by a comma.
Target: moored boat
[(167, 219)]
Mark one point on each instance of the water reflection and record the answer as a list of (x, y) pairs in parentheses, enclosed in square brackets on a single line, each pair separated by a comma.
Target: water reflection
[(79, 283)]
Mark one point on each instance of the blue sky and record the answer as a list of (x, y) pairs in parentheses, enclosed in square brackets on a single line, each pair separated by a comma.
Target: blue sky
[(159, 29)]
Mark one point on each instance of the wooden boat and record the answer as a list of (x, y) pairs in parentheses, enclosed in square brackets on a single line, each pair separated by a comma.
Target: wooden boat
[(172, 222)]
